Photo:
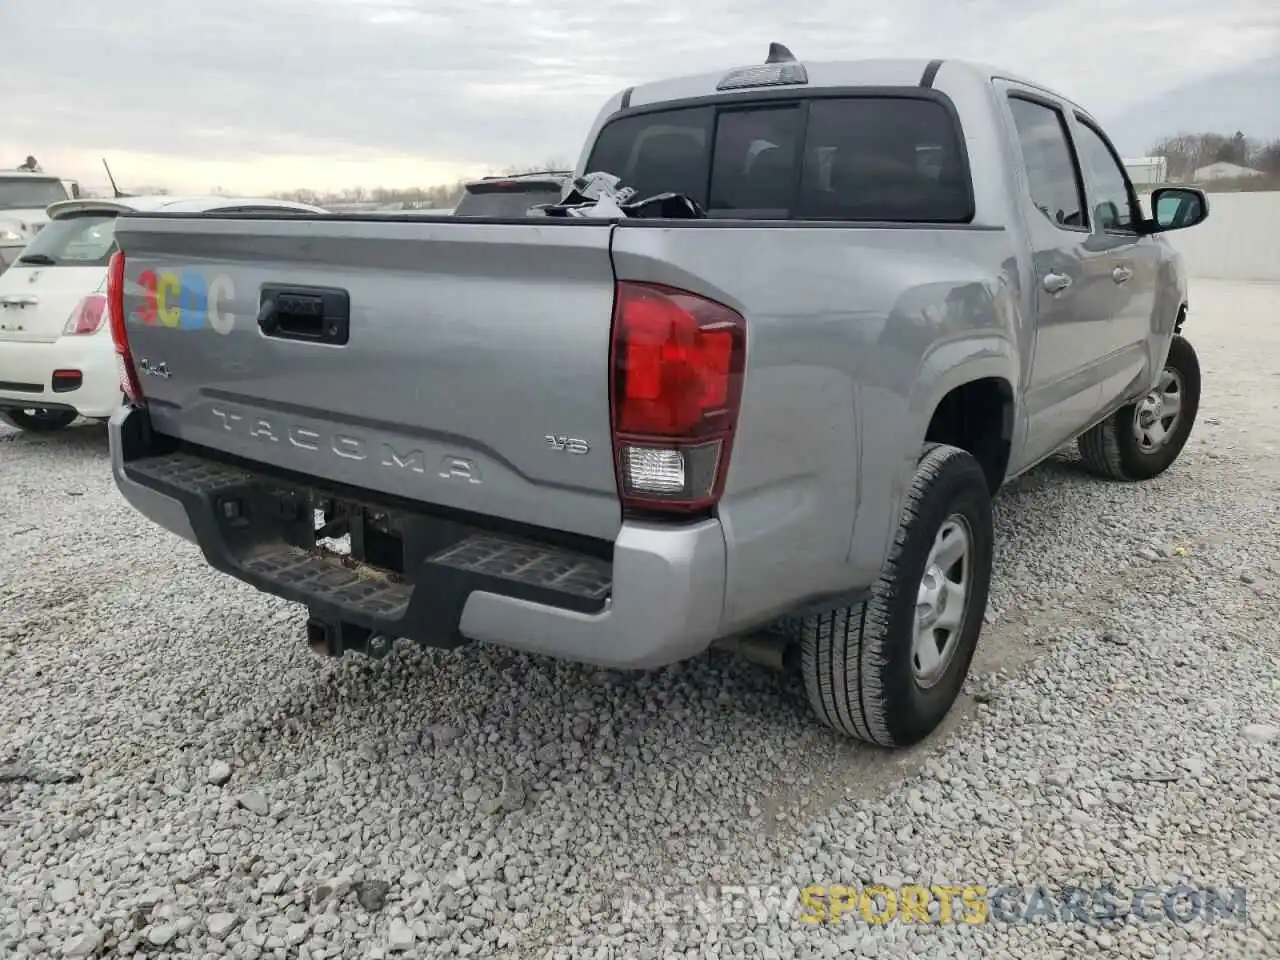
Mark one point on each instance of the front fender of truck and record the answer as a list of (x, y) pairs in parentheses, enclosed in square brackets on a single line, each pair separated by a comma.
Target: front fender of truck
[(1170, 309)]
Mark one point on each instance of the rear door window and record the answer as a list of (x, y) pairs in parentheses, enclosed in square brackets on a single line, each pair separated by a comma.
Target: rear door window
[(1052, 177), (870, 158), (83, 241)]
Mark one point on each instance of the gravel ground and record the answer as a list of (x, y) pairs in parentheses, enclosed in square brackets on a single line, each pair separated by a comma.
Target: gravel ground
[(180, 777)]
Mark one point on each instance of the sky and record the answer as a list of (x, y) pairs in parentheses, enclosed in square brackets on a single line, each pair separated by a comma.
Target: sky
[(254, 96)]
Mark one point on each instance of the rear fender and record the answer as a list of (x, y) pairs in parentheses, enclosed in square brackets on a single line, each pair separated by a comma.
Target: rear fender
[(968, 331), (950, 364)]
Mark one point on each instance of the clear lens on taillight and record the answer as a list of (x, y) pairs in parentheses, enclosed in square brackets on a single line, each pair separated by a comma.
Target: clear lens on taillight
[(678, 360), (119, 335), (87, 317), (671, 473)]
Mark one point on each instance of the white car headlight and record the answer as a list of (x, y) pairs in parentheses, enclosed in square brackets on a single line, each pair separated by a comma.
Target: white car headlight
[(9, 236)]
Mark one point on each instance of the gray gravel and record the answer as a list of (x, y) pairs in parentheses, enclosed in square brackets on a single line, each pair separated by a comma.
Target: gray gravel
[(180, 777)]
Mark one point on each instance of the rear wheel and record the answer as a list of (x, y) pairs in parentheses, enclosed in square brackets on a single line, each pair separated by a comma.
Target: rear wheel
[(39, 420), (1142, 439), (889, 669)]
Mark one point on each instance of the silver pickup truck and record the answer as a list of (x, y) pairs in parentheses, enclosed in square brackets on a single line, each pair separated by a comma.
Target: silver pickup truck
[(621, 441)]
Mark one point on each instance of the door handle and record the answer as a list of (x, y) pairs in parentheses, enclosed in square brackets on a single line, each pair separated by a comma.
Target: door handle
[(1055, 282), (1121, 274)]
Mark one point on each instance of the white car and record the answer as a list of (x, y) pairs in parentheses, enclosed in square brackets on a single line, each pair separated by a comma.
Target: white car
[(57, 361), (24, 196)]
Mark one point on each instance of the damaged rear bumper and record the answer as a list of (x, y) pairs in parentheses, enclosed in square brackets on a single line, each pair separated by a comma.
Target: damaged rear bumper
[(652, 597)]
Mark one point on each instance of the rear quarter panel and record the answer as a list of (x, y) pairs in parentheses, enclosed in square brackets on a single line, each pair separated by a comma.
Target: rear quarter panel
[(853, 334)]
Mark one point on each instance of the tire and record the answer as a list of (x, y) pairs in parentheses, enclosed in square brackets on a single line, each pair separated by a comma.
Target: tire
[(1113, 449), (859, 663), (39, 421)]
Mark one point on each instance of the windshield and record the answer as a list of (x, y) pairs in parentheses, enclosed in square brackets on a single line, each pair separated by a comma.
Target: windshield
[(857, 158), (507, 202), (30, 193), (83, 241)]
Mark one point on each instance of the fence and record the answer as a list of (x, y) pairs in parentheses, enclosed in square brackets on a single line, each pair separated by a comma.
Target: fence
[(1239, 241)]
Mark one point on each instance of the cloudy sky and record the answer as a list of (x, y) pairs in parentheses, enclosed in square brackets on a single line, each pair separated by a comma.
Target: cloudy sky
[(258, 95)]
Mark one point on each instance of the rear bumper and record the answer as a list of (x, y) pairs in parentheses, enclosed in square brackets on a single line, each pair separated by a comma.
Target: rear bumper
[(655, 598), (26, 375)]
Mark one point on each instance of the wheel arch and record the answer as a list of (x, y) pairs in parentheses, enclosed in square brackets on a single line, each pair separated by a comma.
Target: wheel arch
[(966, 396)]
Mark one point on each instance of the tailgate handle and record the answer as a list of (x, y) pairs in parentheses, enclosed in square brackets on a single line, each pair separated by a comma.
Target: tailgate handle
[(309, 314)]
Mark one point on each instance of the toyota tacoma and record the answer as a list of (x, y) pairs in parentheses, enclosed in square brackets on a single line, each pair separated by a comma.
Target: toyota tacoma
[(621, 440)]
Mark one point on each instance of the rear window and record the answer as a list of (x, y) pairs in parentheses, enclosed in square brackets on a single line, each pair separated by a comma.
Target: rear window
[(84, 241), (30, 193), (513, 201), (831, 158)]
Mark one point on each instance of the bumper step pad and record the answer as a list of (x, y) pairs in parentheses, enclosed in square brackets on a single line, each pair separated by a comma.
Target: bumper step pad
[(530, 563), (340, 581), (190, 474), (426, 600)]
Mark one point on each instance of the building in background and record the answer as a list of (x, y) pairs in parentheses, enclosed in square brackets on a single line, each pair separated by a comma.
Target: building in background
[(1222, 170), (1146, 170)]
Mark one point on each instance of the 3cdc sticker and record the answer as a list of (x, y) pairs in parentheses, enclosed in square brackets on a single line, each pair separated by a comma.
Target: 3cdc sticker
[(186, 300)]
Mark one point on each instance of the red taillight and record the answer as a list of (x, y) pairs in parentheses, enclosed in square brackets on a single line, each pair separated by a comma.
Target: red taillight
[(678, 360), (87, 316), (119, 336)]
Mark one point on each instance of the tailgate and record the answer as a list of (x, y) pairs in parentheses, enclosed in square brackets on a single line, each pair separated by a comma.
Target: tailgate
[(458, 364)]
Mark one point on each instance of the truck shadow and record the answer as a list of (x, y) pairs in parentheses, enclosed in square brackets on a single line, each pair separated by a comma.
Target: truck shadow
[(83, 436)]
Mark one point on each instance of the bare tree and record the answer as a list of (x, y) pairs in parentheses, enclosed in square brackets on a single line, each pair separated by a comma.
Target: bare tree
[(1187, 152), (436, 195), (1267, 158)]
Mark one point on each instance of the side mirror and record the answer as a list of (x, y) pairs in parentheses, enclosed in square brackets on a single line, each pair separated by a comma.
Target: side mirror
[(1176, 208)]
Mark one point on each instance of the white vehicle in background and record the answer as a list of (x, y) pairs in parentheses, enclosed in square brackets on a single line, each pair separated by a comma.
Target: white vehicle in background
[(57, 361), (24, 197), (511, 196)]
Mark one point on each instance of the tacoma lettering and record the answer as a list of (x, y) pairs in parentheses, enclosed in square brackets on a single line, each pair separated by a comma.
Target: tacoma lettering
[(342, 445)]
